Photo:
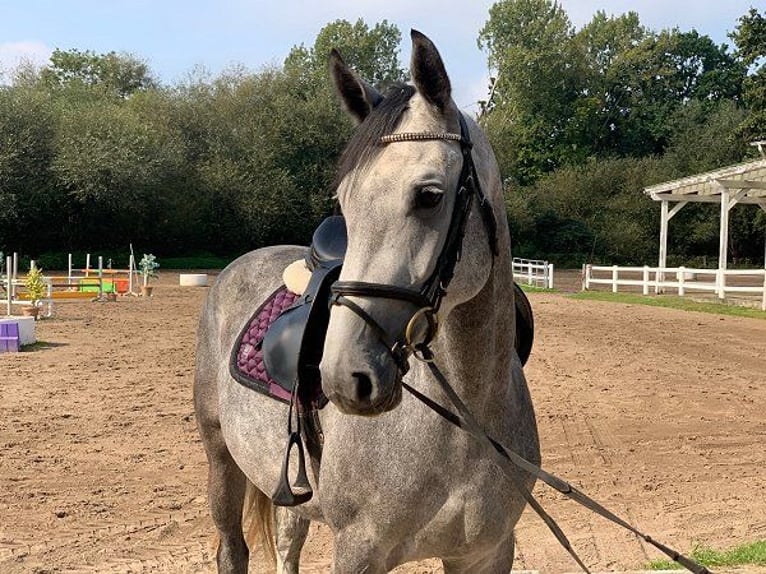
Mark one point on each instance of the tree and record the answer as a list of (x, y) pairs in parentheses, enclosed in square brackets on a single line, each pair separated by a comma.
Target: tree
[(662, 73), (529, 43), (750, 38), (114, 161), (610, 89), (122, 74), (29, 201), (372, 52), (602, 43)]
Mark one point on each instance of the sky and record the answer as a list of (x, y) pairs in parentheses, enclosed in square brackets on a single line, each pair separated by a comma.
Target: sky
[(176, 36)]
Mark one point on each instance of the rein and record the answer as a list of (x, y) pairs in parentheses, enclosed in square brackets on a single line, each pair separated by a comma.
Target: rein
[(512, 462), (428, 300)]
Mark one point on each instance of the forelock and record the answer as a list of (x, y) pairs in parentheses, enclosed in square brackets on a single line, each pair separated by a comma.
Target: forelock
[(365, 143)]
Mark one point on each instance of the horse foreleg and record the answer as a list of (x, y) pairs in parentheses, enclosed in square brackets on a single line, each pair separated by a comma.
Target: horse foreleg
[(357, 553), (290, 533), (499, 561)]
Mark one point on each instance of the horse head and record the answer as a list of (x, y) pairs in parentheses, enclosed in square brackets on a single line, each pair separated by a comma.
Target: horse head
[(417, 245)]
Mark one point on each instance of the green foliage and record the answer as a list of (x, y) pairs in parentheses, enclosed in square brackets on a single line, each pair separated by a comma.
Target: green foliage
[(589, 213), (704, 137), (597, 211), (612, 88), (683, 304), (119, 74), (753, 553), (147, 267), (529, 43), (96, 154), (372, 52), (750, 37), (35, 284), (28, 196)]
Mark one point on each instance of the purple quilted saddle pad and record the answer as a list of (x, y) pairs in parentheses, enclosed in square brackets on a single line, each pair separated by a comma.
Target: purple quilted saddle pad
[(247, 365)]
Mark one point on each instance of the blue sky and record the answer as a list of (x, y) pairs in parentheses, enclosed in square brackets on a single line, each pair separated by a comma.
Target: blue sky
[(176, 36)]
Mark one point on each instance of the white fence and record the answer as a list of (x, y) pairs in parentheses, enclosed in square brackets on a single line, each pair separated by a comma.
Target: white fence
[(533, 272), (679, 279)]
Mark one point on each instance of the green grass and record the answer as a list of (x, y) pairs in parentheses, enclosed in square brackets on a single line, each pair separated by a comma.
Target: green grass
[(534, 289), (753, 553), (35, 346), (672, 302)]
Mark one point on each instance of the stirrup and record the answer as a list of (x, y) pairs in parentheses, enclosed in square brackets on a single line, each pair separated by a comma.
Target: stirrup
[(284, 494)]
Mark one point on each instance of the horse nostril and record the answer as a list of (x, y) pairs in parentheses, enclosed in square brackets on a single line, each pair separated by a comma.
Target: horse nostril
[(363, 385)]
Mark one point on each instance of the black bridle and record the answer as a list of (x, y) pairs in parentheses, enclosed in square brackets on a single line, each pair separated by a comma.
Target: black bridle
[(428, 301), (428, 298)]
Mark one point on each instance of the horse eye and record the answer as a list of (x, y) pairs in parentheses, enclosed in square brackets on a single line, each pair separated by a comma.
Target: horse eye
[(428, 198)]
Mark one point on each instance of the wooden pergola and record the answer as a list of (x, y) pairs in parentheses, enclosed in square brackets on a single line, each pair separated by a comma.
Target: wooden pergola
[(744, 183)]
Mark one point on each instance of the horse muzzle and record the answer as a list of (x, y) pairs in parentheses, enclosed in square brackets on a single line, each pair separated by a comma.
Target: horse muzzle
[(360, 384)]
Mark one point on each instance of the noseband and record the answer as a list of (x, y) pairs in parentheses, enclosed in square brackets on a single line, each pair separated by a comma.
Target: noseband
[(429, 297)]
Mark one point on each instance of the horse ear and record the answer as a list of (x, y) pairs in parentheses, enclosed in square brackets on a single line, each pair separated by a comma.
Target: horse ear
[(357, 96), (428, 72)]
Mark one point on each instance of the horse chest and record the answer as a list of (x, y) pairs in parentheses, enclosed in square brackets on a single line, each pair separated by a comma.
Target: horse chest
[(417, 483)]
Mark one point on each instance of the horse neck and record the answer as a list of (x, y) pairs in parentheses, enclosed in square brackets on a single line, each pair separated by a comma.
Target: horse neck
[(476, 345), (478, 336)]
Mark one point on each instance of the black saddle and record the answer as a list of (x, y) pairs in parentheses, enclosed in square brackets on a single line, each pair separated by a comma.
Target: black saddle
[(292, 348), (525, 324)]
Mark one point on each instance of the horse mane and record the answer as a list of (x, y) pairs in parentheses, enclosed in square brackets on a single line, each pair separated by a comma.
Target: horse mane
[(382, 120)]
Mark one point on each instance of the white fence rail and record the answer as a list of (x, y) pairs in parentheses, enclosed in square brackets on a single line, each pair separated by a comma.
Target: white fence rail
[(533, 272), (680, 279)]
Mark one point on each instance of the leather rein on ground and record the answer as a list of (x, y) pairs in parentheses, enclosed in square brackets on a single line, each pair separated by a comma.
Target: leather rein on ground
[(428, 300)]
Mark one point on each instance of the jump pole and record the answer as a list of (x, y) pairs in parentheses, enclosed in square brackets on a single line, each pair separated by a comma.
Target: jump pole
[(132, 269), (15, 273), (101, 278), (8, 264)]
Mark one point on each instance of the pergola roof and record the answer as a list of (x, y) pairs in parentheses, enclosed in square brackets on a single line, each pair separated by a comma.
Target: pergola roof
[(745, 181), (727, 186)]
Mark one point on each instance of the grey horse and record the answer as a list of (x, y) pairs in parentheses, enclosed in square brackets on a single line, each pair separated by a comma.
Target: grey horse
[(396, 481)]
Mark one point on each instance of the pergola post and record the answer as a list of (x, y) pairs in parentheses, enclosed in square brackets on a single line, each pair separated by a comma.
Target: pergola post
[(660, 277), (728, 200), (666, 215), (664, 234), (723, 244)]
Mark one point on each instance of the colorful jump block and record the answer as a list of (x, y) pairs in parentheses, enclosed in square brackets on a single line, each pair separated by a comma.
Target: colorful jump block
[(9, 338), (89, 285)]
